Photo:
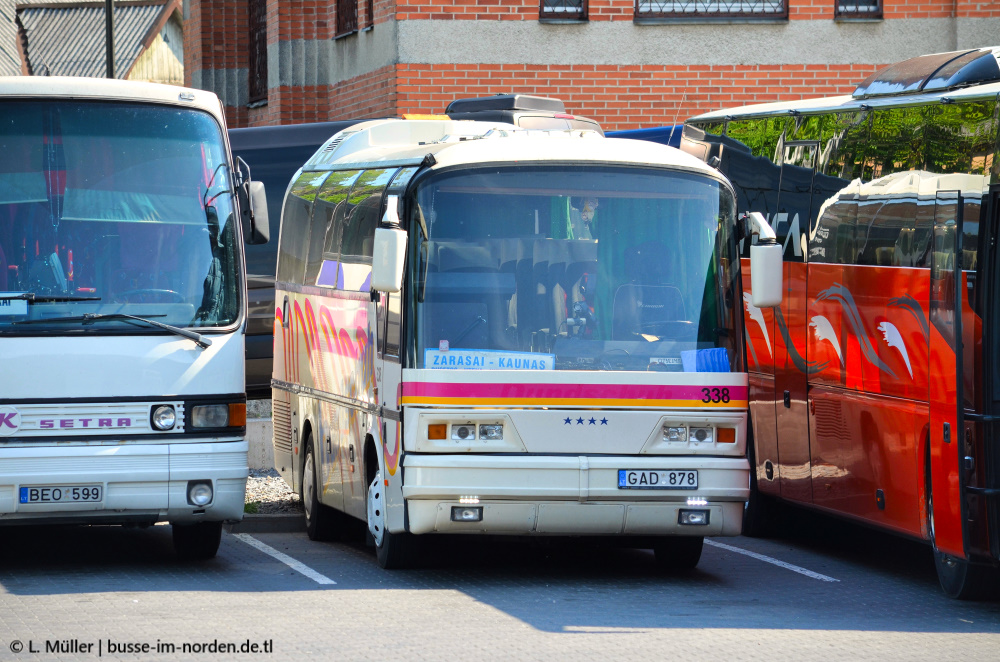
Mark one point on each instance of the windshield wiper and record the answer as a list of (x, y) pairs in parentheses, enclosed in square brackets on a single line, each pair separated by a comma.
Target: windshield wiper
[(31, 296), (90, 318)]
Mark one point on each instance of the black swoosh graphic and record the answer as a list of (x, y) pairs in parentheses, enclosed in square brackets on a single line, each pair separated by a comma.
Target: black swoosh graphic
[(808, 367), (909, 303), (841, 294)]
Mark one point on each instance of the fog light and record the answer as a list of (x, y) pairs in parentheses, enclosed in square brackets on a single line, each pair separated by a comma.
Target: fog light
[(463, 432), (199, 493), (466, 514), (210, 416), (491, 432), (693, 517), (702, 435), (164, 417), (675, 433)]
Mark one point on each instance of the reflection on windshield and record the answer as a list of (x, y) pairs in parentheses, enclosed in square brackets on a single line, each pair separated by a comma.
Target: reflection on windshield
[(572, 268), (113, 208)]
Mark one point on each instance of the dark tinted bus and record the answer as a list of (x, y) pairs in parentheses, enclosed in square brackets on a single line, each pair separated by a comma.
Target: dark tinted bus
[(875, 387)]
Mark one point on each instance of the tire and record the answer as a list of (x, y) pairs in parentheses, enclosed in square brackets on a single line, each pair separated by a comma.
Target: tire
[(960, 579), (197, 542), (321, 520), (760, 511), (392, 550), (678, 552)]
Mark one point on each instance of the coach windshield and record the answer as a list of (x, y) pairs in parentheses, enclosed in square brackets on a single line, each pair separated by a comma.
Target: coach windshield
[(112, 209), (572, 267)]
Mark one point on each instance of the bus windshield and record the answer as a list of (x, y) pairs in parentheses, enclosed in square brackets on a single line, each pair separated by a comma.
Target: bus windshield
[(572, 267), (112, 209)]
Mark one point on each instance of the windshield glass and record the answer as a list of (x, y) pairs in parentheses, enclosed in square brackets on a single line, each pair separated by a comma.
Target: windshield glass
[(114, 208), (572, 268)]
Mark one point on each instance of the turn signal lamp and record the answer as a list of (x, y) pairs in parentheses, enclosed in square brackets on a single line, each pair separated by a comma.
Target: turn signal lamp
[(726, 436), (237, 414), (437, 431)]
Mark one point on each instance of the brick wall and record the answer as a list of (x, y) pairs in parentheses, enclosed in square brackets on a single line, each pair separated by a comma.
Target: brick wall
[(626, 97), (918, 9)]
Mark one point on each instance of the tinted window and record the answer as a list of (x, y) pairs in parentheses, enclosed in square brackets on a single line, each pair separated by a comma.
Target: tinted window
[(332, 207), (294, 241)]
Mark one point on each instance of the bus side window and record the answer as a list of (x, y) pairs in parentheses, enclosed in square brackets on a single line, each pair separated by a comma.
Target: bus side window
[(332, 208), (295, 223)]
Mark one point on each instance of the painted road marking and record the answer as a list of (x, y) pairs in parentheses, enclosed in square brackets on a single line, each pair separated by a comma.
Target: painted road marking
[(772, 561), (284, 558)]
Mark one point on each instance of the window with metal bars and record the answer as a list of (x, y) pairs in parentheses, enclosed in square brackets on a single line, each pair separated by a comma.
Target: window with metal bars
[(258, 50), (347, 17), (574, 10), (771, 9), (858, 9)]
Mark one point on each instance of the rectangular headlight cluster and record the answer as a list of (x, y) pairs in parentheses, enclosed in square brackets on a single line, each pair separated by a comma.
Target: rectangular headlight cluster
[(699, 434), (467, 431), (233, 414)]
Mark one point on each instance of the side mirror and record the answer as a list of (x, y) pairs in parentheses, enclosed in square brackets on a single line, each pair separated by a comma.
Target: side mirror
[(256, 203), (387, 261), (766, 264)]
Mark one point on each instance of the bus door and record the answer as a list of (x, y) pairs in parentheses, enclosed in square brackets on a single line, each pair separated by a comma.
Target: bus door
[(791, 368), (946, 400)]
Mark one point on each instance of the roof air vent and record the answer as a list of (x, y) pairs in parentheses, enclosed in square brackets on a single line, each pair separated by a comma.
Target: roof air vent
[(506, 102)]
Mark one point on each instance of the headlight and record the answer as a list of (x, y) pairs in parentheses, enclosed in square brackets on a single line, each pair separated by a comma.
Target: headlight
[(164, 417), (675, 433), (702, 435), (463, 432), (491, 432), (210, 416)]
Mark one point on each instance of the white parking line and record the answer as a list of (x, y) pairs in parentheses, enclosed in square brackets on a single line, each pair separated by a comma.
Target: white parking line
[(772, 561), (284, 558)]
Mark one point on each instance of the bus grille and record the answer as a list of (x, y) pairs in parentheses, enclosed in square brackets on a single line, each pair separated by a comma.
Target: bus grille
[(282, 418)]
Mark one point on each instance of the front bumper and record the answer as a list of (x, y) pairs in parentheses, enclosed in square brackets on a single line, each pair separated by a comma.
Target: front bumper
[(142, 483), (570, 495)]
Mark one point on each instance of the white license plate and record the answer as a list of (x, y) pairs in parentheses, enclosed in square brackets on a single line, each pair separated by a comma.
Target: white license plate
[(657, 479), (61, 494)]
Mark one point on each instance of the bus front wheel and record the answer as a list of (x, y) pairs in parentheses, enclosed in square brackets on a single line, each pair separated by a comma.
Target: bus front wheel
[(393, 550), (197, 542), (678, 552), (960, 579)]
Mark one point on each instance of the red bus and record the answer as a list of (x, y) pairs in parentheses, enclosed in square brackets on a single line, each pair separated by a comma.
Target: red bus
[(875, 385)]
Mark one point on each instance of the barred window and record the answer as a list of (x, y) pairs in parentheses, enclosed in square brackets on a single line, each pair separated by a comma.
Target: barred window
[(711, 8), (258, 50), (858, 9), (563, 9), (347, 17)]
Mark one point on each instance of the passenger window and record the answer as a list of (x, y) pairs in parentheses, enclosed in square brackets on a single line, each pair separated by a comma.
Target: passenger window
[(332, 208), (295, 222), (366, 206)]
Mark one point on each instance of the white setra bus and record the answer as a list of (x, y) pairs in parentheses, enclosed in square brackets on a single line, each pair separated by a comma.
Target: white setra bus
[(487, 330), (122, 308)]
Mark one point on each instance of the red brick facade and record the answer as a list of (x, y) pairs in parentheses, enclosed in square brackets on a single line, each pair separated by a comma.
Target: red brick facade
[(617, 95)]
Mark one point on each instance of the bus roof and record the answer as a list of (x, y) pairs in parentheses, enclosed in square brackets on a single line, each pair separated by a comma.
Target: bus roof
[(79, 87), (384, 143), (926, 79)]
